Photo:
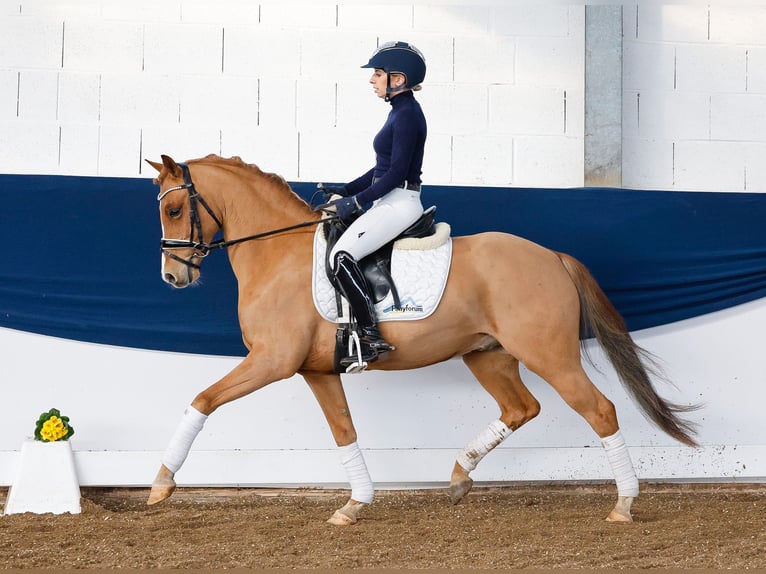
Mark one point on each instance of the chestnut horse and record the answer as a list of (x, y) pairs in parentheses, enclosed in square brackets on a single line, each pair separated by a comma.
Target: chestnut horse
[(507, 301)]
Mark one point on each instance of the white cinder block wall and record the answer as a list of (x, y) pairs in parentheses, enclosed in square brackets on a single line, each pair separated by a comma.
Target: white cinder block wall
[(694, 97), (92, 88)]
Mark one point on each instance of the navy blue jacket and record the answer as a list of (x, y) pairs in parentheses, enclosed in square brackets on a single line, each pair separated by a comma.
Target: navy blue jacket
[(398, 148)]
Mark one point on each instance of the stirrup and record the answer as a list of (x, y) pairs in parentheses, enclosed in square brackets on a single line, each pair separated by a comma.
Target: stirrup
[(354, 362)]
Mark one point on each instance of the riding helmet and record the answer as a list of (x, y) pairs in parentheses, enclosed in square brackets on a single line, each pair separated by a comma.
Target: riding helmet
[(400, 58)]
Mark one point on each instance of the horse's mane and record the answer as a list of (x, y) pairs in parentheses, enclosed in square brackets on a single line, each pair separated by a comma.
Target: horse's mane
[(273, 179)]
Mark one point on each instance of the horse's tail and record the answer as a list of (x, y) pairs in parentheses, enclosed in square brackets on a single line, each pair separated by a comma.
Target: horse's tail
[(599, 319)]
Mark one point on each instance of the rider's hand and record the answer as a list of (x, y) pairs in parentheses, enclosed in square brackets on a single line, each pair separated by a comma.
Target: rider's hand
[(347, 209)]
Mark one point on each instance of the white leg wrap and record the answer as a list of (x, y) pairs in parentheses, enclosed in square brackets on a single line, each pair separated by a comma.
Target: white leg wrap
[(478, 448), (188, 429), (622, 467), (356, 471)]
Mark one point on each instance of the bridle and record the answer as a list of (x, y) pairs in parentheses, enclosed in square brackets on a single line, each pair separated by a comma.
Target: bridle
[(200, 246)]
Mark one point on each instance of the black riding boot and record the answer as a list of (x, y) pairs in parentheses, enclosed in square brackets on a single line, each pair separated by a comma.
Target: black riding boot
[(354, 287)]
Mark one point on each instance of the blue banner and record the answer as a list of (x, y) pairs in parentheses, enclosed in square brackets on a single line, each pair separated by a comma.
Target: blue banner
[(81, 255)]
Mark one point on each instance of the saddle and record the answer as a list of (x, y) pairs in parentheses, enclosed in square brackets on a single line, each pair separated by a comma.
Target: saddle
[(376, 266)]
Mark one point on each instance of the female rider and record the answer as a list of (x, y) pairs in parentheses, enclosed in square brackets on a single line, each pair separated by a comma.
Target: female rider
[(385, 201)]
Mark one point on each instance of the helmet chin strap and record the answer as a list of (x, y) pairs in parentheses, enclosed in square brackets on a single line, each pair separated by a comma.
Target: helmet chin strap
[(390, 90)]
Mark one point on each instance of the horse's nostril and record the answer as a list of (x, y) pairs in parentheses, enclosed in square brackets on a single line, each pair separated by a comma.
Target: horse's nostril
[(170, 278)]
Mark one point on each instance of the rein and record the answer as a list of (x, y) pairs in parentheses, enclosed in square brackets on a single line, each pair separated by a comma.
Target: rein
[(201, 247)]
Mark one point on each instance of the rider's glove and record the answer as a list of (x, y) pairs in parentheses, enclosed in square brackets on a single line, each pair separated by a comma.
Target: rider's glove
[(347, 209)]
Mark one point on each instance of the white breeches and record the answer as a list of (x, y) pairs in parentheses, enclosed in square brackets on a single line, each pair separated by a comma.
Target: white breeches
[(387, 218)]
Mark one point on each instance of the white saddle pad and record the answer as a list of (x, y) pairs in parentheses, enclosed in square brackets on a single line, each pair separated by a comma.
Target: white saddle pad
[(419, 268)]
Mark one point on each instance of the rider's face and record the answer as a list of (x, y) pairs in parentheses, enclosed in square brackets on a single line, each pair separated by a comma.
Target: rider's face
[(378, 81)]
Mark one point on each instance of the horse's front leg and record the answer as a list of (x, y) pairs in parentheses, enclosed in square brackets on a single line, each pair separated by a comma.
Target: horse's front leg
[(250, 375), (328, 390)]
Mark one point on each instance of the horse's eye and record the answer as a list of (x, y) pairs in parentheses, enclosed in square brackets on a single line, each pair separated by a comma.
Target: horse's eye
[(174, 212)]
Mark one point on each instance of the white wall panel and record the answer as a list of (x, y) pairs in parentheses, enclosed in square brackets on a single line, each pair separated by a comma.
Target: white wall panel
[(305, 16), (139, 100), (274, 150), (226, 13), (710, 164), (119, 152), (740, 23), (756, 70), (755, 167), (359, 109), (672, 22), (334, 155), (541, 161), (377, 18), (316, 107), (79, 97), (482, 160), (437, 161), (335, 54), (455, 109), (218, 101), (96, 45), (555, 62), (738, 117), (180, 142), (686, 115), (262, 52), (79, 149), (31, 42), (526, 110), (710, 68), (38, 95), (9, 94), (650, 164), (521, 19), (29, 147), (648, 66), (183, 49), (485, 59)]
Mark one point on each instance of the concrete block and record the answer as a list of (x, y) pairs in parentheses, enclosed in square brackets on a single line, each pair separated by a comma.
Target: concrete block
[(574, 115), (9, 94), (273, 150), (218, 101), (120, 153), (485, 59), (740, 23), (290, 15), (10, 8), (250, 51), (183, 48), (139, 99), (33, 490), (38, 92), (481, 159), (316, 105), (709, 166), (142, 11), (335, 54), (711, 68), (756, 70), (359, 109), (79, 97), (277, 103), (99, 45), (29, 147), (437, 160), (648, 66), (473, 20), (673, 115), (548, 161), (647, 164), (529, 19), (672, 22), (526, 110), (31, 42), (755, 167), (377, 18), (79, 149), (550, 62), (226, 13), (738, 117), (455, 108), (630, 109), (59, 10), (334, 155), (182, 143)]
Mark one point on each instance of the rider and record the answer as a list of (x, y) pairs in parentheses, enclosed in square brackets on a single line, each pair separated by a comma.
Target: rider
[(385, 201)]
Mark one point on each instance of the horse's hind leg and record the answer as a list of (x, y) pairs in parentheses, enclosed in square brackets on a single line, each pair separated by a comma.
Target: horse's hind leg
[(328, 390), (499, 374), (579, 392)]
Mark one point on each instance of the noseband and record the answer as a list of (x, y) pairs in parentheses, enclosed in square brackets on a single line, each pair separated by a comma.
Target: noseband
[(200, 246)]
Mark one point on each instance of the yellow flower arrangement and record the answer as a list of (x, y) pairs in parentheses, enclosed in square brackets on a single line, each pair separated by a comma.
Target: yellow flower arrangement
[(53, 426)]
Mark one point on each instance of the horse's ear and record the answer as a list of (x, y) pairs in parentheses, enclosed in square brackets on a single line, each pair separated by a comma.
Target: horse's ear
[(154, 164), (171, 165)]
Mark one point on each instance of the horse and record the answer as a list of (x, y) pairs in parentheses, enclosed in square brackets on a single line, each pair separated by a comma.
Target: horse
[(507, 301)]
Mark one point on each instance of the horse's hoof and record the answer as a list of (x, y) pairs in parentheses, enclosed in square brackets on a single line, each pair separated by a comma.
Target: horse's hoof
[(347, 515), (621, 510), (458, 490), (340, 519), (159, 493)]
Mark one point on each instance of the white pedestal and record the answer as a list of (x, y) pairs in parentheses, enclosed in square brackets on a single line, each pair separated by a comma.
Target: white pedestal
[(46, 480)]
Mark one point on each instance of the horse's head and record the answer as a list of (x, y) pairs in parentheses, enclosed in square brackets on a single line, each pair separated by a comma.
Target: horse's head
[(184, 228)]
